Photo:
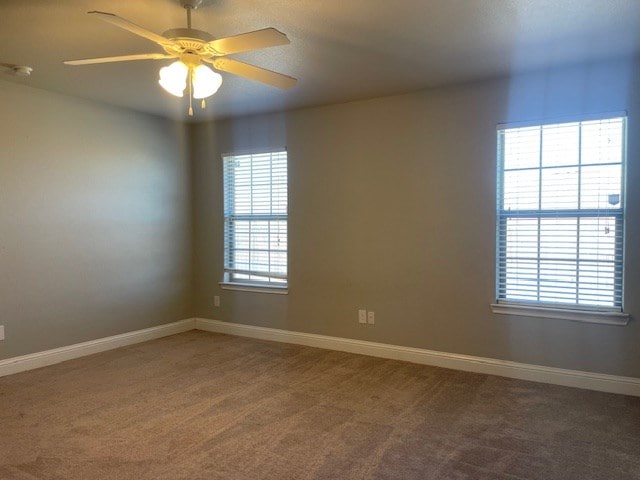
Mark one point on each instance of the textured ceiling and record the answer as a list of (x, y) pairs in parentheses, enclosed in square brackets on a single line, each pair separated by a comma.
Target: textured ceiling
[(340, 50)]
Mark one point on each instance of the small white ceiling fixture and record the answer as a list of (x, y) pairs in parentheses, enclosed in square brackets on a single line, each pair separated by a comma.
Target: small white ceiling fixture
[(18, 70), (193, 48)]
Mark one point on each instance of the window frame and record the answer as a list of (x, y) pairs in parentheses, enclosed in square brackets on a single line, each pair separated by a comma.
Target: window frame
[(248, 285), (612, 315)]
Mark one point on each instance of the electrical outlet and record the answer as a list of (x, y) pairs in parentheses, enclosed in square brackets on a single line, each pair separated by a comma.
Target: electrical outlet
[(371, 318), (362, 316), (1, 332), (216, 301)]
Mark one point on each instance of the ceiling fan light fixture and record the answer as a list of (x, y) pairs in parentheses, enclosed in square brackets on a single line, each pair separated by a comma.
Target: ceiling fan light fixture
[(190, 48), (173, 78), (206, 82)]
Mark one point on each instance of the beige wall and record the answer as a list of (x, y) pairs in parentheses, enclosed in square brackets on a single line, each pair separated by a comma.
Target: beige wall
[(392, 208), (95, 230)]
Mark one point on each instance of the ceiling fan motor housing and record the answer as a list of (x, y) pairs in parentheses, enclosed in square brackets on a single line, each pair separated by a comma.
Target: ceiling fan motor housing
[(187, 40)]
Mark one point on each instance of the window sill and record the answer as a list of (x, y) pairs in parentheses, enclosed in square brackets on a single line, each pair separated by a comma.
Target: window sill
[(250, 287), (576, 315)]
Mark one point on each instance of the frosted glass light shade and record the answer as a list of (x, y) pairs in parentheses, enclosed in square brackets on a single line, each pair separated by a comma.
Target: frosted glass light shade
[(173, 78), (206, 82)]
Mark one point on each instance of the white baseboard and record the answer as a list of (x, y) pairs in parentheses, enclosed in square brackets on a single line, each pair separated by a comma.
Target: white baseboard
[(503, 368), (490, 366), (57, 355)]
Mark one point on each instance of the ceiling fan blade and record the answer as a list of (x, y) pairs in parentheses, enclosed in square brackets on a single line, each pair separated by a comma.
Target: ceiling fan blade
[(122, 58), (131, 27), (253, 73), (268, 37)]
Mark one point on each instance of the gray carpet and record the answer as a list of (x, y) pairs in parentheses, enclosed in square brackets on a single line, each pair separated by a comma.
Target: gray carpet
[(209, 406)]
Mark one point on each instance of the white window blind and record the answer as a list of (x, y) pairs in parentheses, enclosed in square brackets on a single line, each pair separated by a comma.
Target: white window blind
[(560, 214), (255, 218)]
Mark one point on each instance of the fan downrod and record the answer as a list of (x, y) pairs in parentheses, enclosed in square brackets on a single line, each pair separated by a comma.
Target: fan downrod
[(190, 5)]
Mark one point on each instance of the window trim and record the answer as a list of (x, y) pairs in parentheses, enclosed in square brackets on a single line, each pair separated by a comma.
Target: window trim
[(591, 315), (541, 122), (254, 287), (579, 313), (248, 285)]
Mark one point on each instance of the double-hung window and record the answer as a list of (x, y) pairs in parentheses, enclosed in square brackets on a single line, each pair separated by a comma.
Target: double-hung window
[(560, 219), (255, 220)]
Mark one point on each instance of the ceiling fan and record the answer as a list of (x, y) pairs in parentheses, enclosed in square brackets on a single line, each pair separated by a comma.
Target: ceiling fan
[(193, 49)]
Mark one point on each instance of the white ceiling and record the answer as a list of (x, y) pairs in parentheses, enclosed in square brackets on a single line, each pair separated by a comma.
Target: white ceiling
[(340, 50)]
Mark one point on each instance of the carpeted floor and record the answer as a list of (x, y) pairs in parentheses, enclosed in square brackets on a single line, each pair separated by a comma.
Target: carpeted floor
[(208, 406)]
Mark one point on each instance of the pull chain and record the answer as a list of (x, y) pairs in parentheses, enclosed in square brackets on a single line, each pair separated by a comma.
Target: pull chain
[(190, 92)]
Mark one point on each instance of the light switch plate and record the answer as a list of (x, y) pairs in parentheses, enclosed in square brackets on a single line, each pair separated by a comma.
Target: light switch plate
[(1, 332), (362, 316), (371, 318)]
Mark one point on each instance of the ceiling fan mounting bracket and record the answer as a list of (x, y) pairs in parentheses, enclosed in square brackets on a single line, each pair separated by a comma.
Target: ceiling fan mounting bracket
[(192, 4)]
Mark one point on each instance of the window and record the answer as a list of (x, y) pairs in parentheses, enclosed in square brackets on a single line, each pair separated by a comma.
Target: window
[(560, 215), (255, 220)]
